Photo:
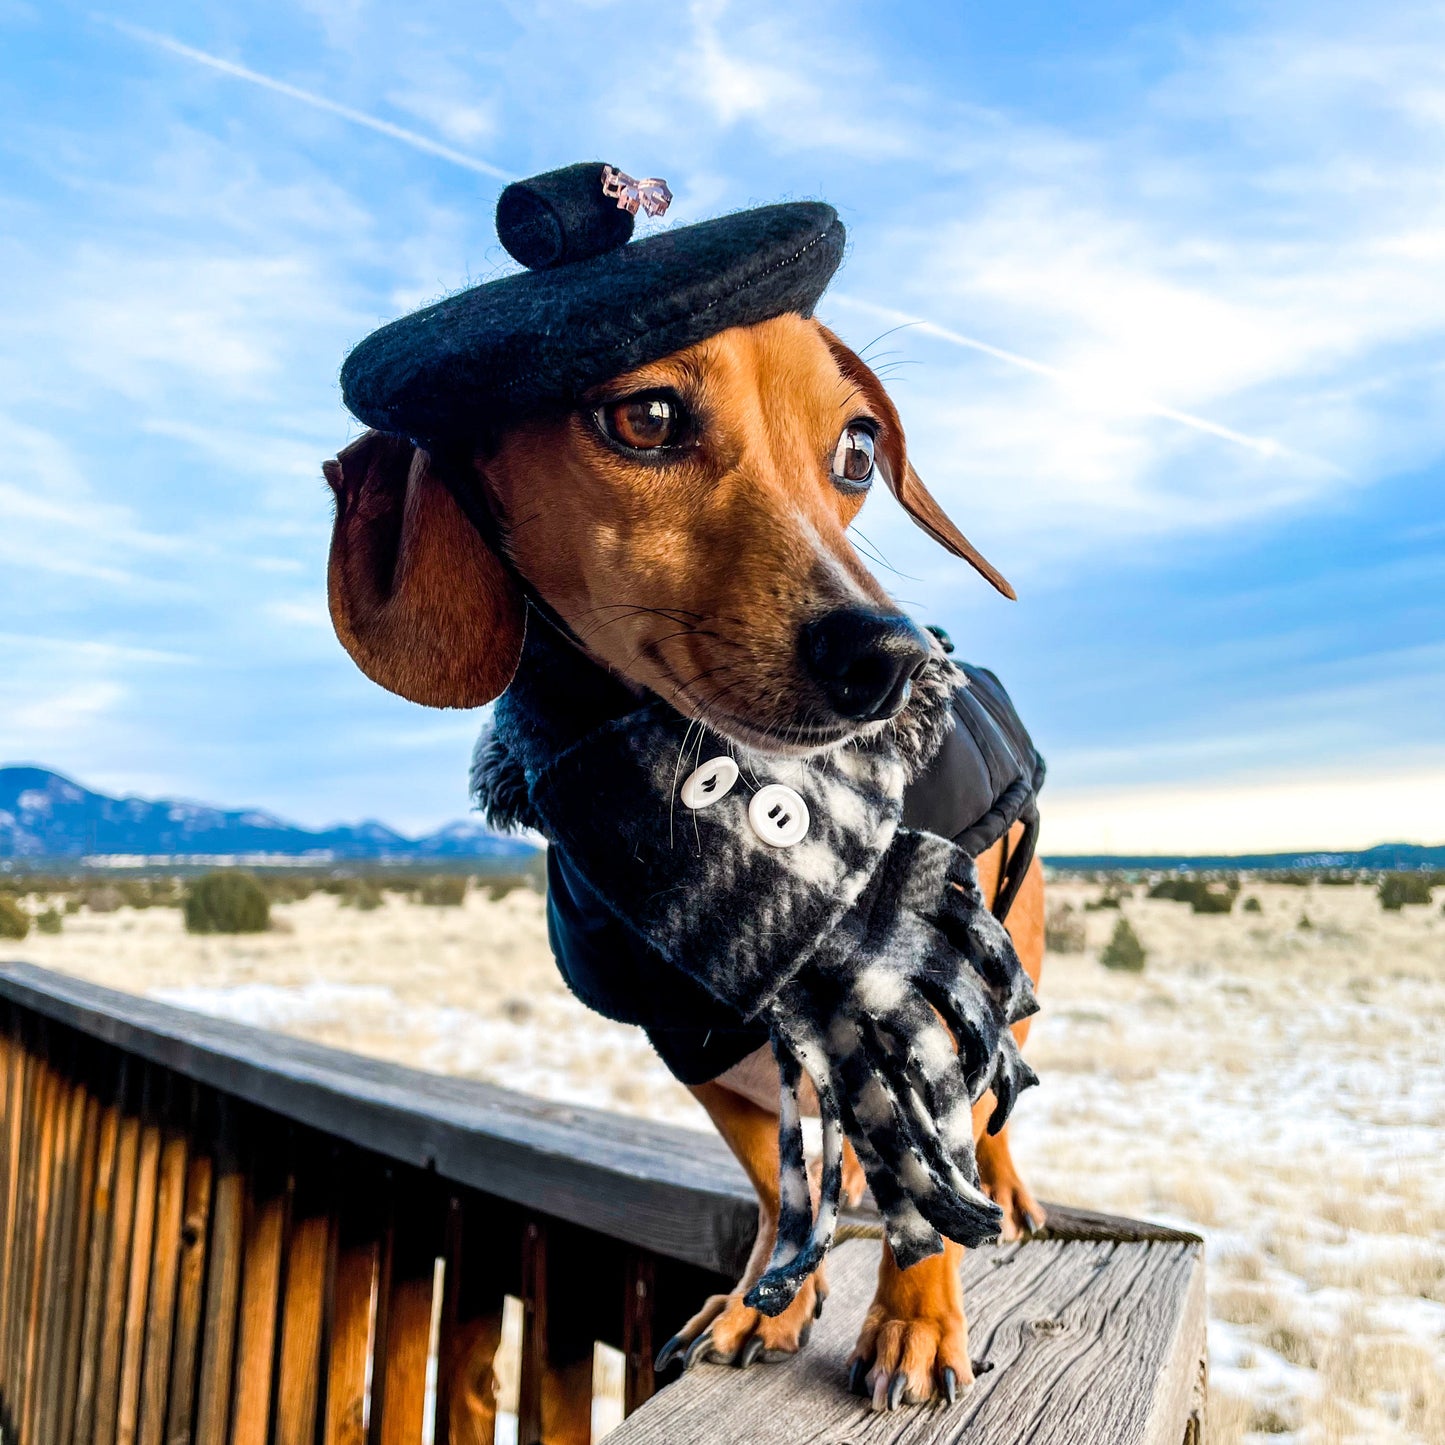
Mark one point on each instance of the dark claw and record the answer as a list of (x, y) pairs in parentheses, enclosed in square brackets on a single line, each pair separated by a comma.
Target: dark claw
[(896, 1386), (818, 1304), (668, 1353), (749, 1352), (697, 1350), (805, 1334), (950, 1384), (858, 1378), (1030, 1223)]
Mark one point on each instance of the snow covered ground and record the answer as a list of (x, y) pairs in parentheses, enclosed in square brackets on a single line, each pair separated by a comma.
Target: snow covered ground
[(1279, 1087)]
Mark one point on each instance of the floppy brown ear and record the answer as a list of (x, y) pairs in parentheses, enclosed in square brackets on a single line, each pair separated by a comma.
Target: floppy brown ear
[(903, 481), (420, 602)]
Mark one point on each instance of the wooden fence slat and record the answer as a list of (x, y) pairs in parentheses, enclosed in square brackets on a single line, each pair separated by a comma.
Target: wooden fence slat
[(447, 1317), (14, 1082), (484, 1264), (41, 1245), (191, 1282), (117, 1274), (61, 1294), (534, 1333), (102, 1224), (404, 1314), (303, 1306), (356, 1231), (165, 1268), (260, 1296), (639, 1383), (15, 1214), (139, 1275), (223, 1285), (17, 1280), (96, 1078)]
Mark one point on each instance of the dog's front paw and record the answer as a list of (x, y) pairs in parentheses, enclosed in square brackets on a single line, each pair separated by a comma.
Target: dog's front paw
[(909, 1362), (914, 1343), (727, 1332)]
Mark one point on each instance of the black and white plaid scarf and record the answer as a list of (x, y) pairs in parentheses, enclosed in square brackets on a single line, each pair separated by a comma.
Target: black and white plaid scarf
[(851, 945)]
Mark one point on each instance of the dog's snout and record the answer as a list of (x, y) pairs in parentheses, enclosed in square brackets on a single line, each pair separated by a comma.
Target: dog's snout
[(864, 661)]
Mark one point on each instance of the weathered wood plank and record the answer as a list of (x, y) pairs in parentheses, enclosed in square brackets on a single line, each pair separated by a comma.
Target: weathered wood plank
[(534, 1332), (166, 1256), (404, 1315), (260, 1297), (303, 1305), (87, 1218), (1086, 1343), (223, 1283), (34, 1298), (639, 1343), (117, 1270), (356, 1229), (137, 1297), (191, 1284), (63, 1296), (102, 1209)]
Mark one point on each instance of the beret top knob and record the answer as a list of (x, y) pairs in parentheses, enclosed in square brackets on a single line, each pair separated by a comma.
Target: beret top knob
[(574, 213)]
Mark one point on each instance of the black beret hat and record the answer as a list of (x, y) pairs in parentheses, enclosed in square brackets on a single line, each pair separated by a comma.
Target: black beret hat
[(592, 304)]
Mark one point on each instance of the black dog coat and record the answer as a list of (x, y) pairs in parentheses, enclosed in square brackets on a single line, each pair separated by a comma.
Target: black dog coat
[(984, 778), (844, 947)]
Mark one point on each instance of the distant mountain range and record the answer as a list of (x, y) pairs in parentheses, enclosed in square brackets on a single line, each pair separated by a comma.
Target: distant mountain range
[(1391, 857), (44, 815)]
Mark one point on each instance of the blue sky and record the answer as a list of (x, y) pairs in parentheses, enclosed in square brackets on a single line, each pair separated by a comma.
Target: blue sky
[(1169, 290)]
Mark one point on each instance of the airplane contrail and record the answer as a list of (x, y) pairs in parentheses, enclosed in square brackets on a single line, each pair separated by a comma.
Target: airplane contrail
[(306, 97), (1263, 446)]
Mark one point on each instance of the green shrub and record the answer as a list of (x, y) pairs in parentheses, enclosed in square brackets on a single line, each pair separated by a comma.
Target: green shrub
[(365, 896), (1398, 889), (1251, 905), (289, 888), (444, 891), (1063, 930), (1123, 952), (1173, 890), (135, 892), (1211, 900), (49, 921), (1202, 897), (1304, 924), (228, 901), (14, 920)]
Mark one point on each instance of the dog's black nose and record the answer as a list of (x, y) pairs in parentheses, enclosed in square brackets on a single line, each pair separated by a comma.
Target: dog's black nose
[(864, 661)]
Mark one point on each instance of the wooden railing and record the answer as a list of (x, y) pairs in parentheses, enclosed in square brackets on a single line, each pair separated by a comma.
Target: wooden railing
[(215, 1234)]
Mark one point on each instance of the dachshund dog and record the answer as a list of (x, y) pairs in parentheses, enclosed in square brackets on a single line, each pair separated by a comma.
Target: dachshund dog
[(703, 487)]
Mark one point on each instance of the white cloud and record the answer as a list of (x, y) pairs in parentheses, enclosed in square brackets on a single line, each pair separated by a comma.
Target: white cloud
[(1283, 284), (56, 716), (1343, 809)]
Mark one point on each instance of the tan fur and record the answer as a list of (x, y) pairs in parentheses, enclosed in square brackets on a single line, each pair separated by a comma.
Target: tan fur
[(690, 579), (417, 598)]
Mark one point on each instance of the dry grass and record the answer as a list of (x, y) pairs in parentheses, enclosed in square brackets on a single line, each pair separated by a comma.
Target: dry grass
[(1281, 1089)]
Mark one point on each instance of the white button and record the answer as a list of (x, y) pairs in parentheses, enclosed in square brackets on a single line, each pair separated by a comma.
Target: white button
[(778, 815), (710, 782)]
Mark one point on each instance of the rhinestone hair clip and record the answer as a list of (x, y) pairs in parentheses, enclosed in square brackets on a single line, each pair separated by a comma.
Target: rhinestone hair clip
[(650, 195)]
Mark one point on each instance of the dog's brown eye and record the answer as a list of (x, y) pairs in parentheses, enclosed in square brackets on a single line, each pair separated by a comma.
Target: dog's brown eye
[(643, 423), (853, 460)]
